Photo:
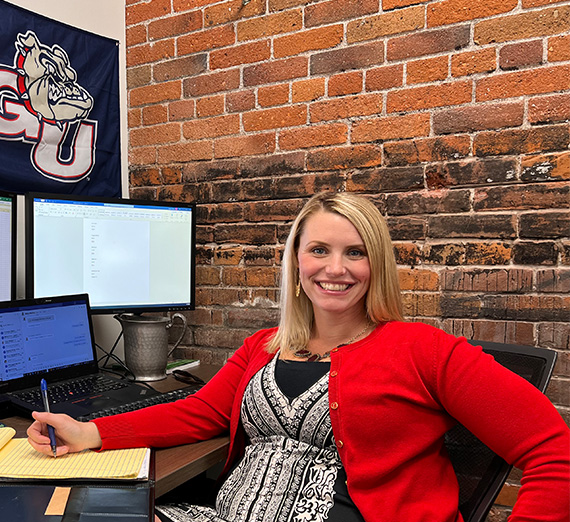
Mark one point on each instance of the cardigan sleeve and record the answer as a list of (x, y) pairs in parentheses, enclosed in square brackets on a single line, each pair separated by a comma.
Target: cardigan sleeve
[(514, 419), (200, 416)]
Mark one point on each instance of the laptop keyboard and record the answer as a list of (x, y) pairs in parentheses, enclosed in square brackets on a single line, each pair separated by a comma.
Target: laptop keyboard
[(143, 403), (71, 390)]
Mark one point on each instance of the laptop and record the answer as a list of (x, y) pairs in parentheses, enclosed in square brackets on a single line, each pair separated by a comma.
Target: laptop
[(52, 338)]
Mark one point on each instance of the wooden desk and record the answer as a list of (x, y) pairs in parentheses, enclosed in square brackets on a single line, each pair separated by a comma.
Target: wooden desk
[(175, 465)]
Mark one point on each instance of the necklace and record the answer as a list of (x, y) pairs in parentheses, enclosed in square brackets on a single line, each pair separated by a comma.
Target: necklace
[(303, 353)]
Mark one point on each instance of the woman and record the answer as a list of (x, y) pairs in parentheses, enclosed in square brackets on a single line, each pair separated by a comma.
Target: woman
[(339, 414)]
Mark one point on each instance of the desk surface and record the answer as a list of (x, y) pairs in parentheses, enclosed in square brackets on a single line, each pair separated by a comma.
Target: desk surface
[(175, 465)]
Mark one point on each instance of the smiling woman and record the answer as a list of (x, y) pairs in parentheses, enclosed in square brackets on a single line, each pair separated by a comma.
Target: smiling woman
[(340, 252)]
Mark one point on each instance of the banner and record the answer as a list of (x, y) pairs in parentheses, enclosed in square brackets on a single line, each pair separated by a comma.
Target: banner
[(59, 107)]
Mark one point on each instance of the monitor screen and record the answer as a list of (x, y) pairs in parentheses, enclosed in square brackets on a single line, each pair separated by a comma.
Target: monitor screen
[(7, 246), (128, 255)]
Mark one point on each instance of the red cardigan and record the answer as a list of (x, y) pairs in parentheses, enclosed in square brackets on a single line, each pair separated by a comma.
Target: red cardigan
[(392, 397)]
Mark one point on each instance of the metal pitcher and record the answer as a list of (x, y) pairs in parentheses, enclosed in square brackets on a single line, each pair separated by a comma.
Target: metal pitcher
[(146, 344)]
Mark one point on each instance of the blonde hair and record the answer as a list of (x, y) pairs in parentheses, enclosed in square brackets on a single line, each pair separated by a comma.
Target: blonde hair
[(383, 299)]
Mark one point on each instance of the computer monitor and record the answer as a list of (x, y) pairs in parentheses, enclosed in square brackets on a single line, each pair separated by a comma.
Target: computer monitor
[(7, 246), (128, 255)]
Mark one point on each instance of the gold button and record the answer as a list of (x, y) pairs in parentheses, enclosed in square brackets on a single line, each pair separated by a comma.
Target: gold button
[(334, 405), (339, 443), (334, 373), (334, 350)]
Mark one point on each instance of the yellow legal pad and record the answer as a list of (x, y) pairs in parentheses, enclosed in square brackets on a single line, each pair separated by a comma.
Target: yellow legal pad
[(19, 460)]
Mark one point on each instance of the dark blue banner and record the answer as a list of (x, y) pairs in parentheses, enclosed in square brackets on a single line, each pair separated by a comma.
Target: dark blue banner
[(59, 107)]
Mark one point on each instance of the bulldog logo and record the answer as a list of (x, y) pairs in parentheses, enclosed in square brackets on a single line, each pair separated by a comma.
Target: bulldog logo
[(48, 83), (42, 103)]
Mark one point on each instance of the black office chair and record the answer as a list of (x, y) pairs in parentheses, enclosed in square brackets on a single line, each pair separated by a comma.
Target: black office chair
[(480, 472)]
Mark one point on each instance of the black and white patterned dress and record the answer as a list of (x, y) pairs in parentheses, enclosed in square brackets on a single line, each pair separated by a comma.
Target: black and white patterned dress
[(291, 471)]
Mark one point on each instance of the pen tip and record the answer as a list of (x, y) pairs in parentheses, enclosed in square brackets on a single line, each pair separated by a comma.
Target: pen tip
[(54, 452)]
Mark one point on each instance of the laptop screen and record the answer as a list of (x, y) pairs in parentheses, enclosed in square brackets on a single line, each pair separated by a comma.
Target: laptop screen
[(49, 337)]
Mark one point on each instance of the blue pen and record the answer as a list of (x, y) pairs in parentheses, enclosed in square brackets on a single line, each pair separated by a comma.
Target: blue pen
[(51, 431)]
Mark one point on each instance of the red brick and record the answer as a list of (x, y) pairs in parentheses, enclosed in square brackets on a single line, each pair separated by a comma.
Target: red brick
[(308, 40), (152, 135), (470, 172), (141, 177), (418, 279), (386, 77), (313, 136), (347, 58), (307, 90), (149, 53), (396, 4), (154, 93), (546, 167), (487, 280), (473, 62), (211, 83), (139, 76), (146, 11), (522, 197), (417, 98), (522, 141), (275, 71), (180, 67), (386, 24), (184, 152), (478, 117), (428, 70), (270, 25), (428, 42), (449, 12), (250, 276), (520, 54), (205, 40), (544, 22), (444, 148), (175, 25), (290, 116), (538, 3), (240, 101), (513, 332), (231, 11), (345, 83), (187, 5), (211, 127), (273, 95), (134, 118), (421, 304), (135, 35), (559, 48), (142, 156), (181, 110), (280, 5), (210, 106), (521, 83), (244, 145), (276, 165), (336, 10), (549, 109), (240, 54), (346, 107), (154, 114), (395, 127), (344, 157)]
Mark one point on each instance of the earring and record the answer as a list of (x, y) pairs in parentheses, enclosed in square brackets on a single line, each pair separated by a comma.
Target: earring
[(298, 288)]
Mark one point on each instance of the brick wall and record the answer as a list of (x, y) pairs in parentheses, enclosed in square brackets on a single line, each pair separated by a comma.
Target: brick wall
[(452, 115)]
